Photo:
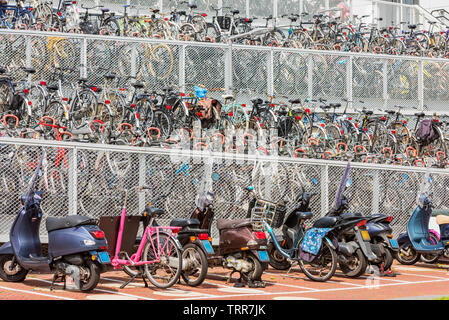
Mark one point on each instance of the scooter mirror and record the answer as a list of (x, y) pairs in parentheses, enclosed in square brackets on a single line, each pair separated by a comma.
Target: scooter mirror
[(348, 183)]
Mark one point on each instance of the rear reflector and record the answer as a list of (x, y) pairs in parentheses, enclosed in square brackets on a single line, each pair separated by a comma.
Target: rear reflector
[(260, 235), (388, 219), (203, 236), (361, 223), (97, 234)]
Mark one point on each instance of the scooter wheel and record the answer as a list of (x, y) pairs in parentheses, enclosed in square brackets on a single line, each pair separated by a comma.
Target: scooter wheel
[(14, 274), (91, 278), (277, 260), (407, 255), (196, 258)]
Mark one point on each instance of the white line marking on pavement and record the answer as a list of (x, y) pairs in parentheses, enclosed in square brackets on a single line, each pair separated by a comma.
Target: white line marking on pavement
[(328, 290), (274, 283), (36, 293), (102, 290), (305, 278)]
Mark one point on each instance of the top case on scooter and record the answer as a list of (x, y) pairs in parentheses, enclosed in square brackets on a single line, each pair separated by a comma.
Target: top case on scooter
[(235, 234)]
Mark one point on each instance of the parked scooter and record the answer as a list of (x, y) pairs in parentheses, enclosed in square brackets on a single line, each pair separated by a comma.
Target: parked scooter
[(419, 242), (76, 246), (380, 232), (240, 248)]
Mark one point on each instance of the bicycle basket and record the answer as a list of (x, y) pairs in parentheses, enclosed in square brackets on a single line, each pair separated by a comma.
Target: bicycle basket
[(272, 213), (224, 22)]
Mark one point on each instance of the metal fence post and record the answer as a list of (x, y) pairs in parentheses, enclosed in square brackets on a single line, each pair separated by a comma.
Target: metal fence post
[(28, 52), (73, 181), (247, 8), (83, 55), (133, 61), (270, 81), (324, 189), (310, 76), (376, 192), (385, 82), (421, 84), (182, 68), (349, 80), (228, 68)]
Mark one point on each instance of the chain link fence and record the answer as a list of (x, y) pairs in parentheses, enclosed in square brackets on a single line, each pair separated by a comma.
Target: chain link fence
[(379, 81), (89, 179)]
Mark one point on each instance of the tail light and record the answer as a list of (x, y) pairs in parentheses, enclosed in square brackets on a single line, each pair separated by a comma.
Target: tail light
[(133, 105), (137, 115), (260, 235), (107, 101), (26, 91), (393, 131), (307, 110), (230, 114), (272, 104), (203, 236), (97, 234), (168, 107), (349, 118), (388, 219), (298, 118), (43, 83), (199, 114), (243, 105), (182, 94), (176, 230), (361, 223), (94, 89), (65, 99), (30, 103)]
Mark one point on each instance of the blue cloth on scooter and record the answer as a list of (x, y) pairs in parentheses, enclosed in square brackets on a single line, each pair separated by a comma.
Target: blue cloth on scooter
[(313, 239)]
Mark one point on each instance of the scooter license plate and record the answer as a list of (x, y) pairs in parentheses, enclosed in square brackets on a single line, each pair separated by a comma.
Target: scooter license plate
[(104, 257), (207, 246), (263, 256), (365, 235), (394, 243)]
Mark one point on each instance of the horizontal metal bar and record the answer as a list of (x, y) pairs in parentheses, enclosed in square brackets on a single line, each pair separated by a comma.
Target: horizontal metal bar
[(216, 155)]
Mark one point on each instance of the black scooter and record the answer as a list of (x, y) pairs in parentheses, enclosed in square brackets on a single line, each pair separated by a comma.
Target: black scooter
[(76, 246)]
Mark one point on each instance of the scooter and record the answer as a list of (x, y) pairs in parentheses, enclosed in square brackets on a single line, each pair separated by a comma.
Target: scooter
[(240, 248), (76, 246), (380, 232), (419, 241)]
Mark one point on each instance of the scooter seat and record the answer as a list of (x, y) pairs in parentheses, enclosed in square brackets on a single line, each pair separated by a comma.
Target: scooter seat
[(184, 222), (304, 215), (67, 222), (442, 219), (325, 222), (233, 224)]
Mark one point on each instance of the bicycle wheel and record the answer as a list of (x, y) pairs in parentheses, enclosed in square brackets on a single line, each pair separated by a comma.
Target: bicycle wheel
[(323, 267), (166, 254), (84, 108), (160, 63), (162, 121)]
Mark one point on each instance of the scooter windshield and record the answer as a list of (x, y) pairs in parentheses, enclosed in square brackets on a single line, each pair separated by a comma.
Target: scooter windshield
[(342, 187), (34, 179), (204, 199), (425, 191)]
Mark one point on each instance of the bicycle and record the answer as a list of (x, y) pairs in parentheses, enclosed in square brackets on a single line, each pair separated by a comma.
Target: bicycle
[(159, 254)]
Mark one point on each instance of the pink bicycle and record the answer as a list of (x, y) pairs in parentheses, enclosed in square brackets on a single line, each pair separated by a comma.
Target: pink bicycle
[(159, 255)]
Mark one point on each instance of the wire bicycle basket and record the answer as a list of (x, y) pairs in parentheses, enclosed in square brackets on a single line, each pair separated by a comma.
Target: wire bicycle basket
[(224, 22), (270, 212)]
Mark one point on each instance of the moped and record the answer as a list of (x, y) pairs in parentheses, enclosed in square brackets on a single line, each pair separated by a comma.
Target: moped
[(419, 242), (76, 245)]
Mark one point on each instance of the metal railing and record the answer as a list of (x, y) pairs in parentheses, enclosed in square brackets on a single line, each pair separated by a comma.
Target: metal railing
[(381, 81), (88, 179)]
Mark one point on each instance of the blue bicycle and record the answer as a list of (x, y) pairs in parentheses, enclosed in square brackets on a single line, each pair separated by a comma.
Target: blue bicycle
[(16, 16)]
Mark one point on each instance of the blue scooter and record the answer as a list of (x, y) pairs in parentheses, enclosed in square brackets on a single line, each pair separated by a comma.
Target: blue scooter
[(76, 246), (419, 241)]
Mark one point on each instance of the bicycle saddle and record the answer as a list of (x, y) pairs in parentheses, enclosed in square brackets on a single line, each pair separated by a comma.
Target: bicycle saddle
[(104, 10), (193, 6), (235, 11), (167, 89), (335, 105), (29, 70), (368, 112), (153, 212), (182, 13), (155, 10), (412, 26), (52, 87), (257, 101), (110, 76), (420, 114), (138, 85), (390, 111), (294, 101)]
